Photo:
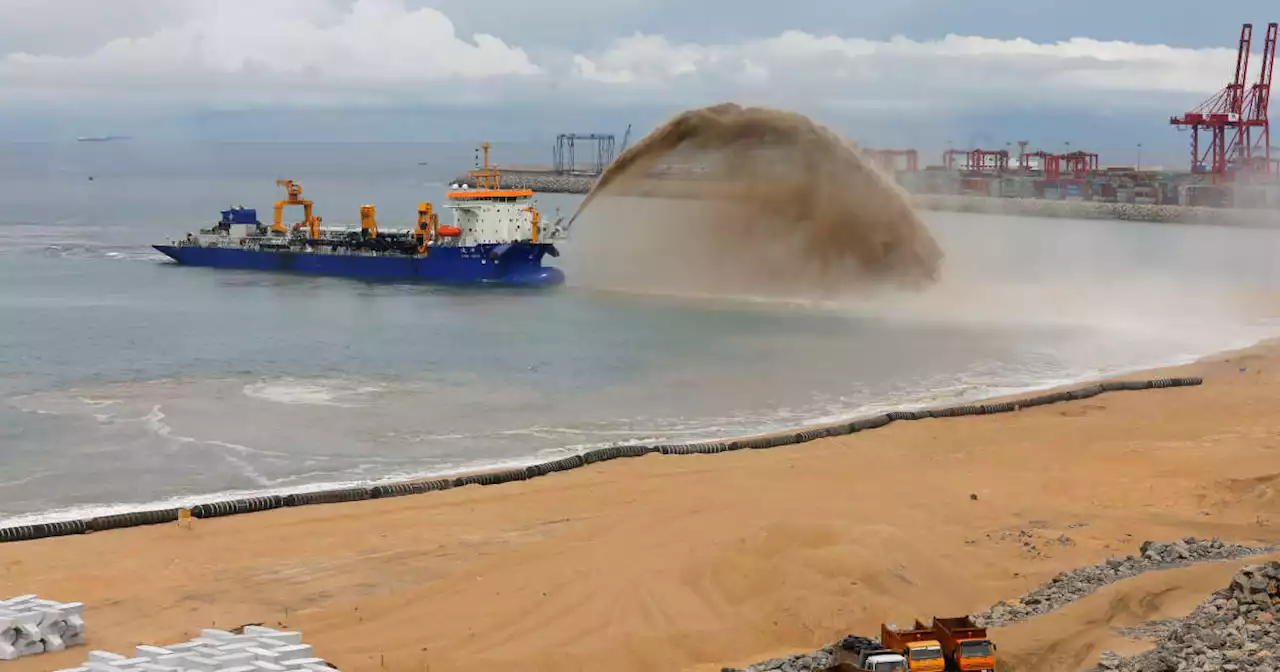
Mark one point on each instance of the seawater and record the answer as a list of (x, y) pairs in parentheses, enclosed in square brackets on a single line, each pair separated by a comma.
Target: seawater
[(126, 380)]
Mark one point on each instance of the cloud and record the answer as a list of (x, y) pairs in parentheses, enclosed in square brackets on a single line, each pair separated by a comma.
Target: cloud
[(955, 71), (246, 54), (283, 51)]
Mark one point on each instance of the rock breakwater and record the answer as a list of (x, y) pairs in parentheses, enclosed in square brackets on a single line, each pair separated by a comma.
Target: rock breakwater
[(544, 182), (1070, 586), (1235, 630), (1073, 585), (552, 183), (1134, 212)]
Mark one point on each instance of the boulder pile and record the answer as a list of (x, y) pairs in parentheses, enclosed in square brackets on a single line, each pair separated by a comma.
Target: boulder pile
[(1070, 586), (1137, 212), (541, 182), (822, 659), (1235, 630)]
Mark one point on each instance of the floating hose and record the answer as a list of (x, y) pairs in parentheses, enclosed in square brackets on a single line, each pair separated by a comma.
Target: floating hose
[(252, 504)]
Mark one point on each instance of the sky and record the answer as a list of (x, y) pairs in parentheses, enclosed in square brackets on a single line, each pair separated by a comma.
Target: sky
[(926, 73)]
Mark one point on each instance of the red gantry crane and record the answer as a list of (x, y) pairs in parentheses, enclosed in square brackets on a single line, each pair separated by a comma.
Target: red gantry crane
[(1230, 116), (887, 159), (1258, 147)]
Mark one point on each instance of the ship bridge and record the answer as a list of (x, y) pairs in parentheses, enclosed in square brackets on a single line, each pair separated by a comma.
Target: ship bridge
[(489, 214)]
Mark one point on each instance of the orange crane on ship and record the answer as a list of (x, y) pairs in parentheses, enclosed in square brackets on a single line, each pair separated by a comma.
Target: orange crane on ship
[(293, 191)]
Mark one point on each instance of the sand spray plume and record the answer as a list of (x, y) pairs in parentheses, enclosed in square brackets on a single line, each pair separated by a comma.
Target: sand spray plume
[(750, 199)]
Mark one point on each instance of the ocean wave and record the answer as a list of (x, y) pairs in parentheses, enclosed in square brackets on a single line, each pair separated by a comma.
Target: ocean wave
[(95, 251), (314, 393), (981, 380), (84, 511)]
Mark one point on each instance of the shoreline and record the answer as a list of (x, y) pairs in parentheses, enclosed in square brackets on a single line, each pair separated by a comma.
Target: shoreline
[(690, 564), (1015, 207), (87, 511), (522, 471)]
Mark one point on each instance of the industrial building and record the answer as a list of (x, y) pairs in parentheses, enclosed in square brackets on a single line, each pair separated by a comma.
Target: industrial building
[(1231, 159)]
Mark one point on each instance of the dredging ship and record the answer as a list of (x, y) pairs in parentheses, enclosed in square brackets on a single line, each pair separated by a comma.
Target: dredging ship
[(497, 237)]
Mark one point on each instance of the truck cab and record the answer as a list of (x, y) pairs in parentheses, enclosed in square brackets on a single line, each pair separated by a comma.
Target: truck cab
[(922, 650), (925, 656), (889, 661), (975, 655), (867, 655), (965, 644)]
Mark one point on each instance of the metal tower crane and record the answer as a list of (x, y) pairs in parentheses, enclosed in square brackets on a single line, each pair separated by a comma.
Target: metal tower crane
[(1258, 147), (1222, 117), (626, 138)]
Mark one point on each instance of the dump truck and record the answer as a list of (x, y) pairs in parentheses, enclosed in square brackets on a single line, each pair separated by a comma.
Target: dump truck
[(922, 650), (861, 654), (964, 644)]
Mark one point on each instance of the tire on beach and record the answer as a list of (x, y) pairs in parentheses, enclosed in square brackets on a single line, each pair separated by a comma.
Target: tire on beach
[(18, 533), (43, 530), (117, 521), (237, 506), (327, 497), (779, 441), (875, 422), (563, 464), (1041, 400), (809, 435), (605, 454), (839, 429), (63, 528), (437, 485), (397, 490), (469, 479), (599, 455), (1085, 392), (635, 451), (499, 477)]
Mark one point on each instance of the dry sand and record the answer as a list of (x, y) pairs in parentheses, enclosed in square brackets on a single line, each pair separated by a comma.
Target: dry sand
[(678, 563)]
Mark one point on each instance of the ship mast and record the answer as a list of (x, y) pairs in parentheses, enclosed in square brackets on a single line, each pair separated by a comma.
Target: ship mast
[(488, 176)]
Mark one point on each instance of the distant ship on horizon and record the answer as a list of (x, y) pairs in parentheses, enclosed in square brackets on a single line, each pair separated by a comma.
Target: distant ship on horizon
[(101, 138)]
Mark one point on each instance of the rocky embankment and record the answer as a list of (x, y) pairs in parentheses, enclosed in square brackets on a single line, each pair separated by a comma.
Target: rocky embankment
[(1073, 585), (817, 661), (1060, 591), (1137, 212), (552, 183), (544, 182), (1235, 630)]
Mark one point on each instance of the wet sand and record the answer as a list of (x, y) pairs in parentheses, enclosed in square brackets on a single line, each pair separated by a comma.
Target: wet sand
[(693, 562)]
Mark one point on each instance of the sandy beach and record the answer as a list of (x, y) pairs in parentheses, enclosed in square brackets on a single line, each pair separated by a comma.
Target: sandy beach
[(695, 562)]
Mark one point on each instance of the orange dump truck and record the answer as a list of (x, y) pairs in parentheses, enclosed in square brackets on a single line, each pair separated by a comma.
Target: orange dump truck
[(921, 648), (964, 644)]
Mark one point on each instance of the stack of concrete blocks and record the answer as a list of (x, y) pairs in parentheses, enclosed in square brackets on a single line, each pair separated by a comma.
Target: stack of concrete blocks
[(29, 625), (257, 649)]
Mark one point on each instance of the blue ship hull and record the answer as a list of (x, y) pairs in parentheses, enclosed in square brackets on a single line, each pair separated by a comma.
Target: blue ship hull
[(515, 264)]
